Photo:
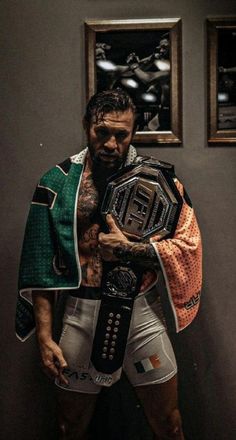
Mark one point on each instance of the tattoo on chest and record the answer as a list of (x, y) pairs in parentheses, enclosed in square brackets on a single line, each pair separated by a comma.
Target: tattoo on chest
[(89, 235), (92, 270), (88, 230), (88, 199)]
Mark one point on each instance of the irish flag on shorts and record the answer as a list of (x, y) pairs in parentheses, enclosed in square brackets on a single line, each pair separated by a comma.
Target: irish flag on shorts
[(147, 364)]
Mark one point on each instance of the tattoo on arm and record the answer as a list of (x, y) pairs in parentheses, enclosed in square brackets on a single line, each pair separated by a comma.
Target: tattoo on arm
[(141, 253)]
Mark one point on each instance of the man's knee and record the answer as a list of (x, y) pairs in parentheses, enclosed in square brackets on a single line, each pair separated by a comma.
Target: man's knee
[(72, 431), (171, 426), (75, 412)]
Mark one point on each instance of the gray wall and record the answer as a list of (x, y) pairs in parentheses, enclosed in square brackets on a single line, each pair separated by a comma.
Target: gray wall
[(43, 91)]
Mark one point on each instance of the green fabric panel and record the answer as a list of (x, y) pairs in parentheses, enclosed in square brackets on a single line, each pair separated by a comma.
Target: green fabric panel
[(38, 250), (63, 217), (53, 179), (46, 230)]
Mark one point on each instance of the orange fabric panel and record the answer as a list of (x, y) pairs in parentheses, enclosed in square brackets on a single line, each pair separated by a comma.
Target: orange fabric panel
[(182, 260)]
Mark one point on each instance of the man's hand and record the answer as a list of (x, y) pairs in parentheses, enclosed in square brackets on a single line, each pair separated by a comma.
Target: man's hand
[(133, 61), (115, 246), (52, 357), (53, 360), (109, 242)]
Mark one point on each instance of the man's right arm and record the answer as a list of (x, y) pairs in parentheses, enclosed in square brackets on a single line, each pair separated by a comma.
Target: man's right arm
[(51, 354)]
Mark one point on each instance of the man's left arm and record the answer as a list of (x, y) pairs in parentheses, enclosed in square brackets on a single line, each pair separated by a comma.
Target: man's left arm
[(116, 246)]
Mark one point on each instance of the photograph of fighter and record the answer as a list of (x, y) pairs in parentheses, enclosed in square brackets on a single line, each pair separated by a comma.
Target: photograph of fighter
[(227, 79), (140, 64)]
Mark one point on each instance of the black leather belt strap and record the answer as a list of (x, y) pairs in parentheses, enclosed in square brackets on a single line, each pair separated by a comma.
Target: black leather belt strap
[(120, 286)]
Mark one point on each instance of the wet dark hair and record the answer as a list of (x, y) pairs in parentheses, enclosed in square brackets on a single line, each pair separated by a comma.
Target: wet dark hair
[(116, 100)]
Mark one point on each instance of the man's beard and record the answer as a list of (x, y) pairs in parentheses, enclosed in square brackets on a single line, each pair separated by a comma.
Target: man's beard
[(102, 170)]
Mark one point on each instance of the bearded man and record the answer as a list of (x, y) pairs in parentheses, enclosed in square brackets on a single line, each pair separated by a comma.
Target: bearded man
[(66, 248)]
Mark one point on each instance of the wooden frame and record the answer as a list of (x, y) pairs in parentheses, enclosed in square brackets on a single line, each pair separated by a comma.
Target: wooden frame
[(144, 55), (221, 50)]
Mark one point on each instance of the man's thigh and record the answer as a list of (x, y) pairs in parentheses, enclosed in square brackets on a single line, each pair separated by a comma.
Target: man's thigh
[(149, 357), (76, 343), (76, 401)]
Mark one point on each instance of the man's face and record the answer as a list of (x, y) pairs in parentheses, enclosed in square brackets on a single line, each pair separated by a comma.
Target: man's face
[(162, 51), (109, 138)]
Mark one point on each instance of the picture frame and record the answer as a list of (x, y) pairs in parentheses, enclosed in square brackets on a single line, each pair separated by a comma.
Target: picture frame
[(145, 58), (221, 81)]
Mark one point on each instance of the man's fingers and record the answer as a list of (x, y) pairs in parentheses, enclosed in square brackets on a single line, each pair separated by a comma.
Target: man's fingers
[(103, 240), (50, 369), (62, 378), (101, 236), (61, 364), (62, 361), (54, 370), (111, 223), (53, 360)]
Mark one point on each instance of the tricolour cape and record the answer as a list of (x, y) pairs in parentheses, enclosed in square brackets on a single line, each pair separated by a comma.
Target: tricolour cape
[(50, 258)]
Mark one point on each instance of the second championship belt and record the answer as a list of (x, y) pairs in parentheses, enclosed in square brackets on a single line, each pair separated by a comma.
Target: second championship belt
[(144, 201)]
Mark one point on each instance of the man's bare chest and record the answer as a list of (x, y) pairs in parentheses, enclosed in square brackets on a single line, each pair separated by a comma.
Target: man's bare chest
[(88, 217), (88, 202)]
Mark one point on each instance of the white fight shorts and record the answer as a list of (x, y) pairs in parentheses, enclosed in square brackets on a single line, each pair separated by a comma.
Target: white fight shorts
[(149, 357)]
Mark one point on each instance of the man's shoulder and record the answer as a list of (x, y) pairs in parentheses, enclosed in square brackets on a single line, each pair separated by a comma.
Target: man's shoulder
[(62, 169)]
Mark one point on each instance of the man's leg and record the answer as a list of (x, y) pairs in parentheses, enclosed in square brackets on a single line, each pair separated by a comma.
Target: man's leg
[(75, 411), (150, 366), (77, 400), (160, 404)]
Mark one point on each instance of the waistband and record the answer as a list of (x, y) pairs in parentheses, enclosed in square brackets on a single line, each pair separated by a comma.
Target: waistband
[(88, 292)]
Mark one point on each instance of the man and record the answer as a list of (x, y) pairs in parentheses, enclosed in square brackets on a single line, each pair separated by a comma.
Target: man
[(154, 73), (65, 248)]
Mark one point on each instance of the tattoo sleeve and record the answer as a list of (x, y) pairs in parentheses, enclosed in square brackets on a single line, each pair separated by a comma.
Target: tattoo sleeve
[(140, 253)]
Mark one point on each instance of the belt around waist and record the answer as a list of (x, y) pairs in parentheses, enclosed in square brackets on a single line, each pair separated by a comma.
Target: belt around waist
[(87, 292)]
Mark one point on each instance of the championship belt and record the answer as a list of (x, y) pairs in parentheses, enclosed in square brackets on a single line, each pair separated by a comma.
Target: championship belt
[(144, 201)]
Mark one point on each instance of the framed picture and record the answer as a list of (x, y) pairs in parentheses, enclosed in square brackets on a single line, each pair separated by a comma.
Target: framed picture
[(221, 37), (144, 58)]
